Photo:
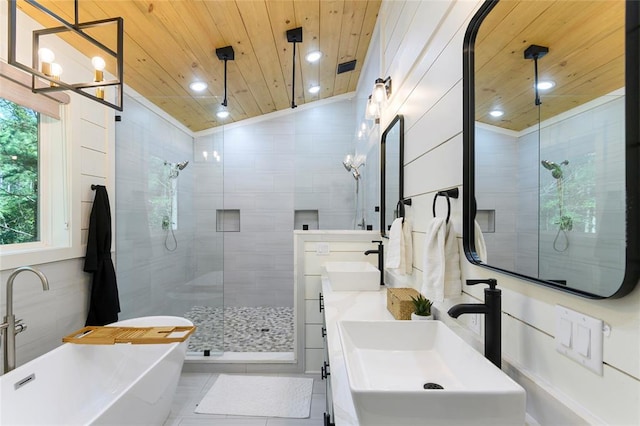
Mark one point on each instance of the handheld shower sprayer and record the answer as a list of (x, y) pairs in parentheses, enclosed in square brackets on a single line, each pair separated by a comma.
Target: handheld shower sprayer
[(565, 222)]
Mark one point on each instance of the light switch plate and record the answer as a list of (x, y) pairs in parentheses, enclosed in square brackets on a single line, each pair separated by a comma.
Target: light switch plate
[(322, 249), (579, 337)]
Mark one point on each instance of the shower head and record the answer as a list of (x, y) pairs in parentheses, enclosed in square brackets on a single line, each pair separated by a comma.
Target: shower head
[(175, 168), (348, 163), (549, 165), (556, 170)]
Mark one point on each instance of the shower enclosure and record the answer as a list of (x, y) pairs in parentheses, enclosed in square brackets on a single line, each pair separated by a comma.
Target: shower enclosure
[(204, 223), (162, 265)]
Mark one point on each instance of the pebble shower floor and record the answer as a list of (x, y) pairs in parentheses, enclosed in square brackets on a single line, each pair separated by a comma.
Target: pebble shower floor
[(246, 329)]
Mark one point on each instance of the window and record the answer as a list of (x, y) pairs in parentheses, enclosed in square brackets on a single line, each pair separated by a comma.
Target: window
[(36, 215), (19, 174)]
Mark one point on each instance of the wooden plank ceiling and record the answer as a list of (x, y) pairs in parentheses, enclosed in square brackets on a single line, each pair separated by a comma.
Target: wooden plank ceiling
[(171, 43), (586, 58)]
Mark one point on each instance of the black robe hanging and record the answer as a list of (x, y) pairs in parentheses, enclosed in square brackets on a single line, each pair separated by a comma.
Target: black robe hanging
[(104, 305)]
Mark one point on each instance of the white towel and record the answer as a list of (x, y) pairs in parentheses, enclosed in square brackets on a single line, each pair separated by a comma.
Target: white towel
[(481, 247), (441, 262), (433, 260), (452, 282), (406, 264), (395, 245)]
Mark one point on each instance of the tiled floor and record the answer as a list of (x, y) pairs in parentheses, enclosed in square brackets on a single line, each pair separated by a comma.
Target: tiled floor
[(194, 386), (245, 329)]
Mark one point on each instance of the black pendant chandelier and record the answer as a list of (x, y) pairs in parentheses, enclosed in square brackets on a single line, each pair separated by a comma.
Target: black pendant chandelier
[(535, 52), (294, 36), (225, 54), (43, 70)]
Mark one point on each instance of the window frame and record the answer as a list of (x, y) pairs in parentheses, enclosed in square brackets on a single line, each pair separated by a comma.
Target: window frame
[(56, 236)]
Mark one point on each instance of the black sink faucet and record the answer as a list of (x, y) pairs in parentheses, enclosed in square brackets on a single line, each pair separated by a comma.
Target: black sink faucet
[(380, 253), (492, 311)]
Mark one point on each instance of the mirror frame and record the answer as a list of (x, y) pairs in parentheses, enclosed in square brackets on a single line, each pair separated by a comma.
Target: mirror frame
[(632, 157), (383, 160)]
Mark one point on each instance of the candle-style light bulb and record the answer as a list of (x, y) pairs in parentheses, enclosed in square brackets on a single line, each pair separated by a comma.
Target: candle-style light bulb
[(98, 64), (46, 59), (56, 72)]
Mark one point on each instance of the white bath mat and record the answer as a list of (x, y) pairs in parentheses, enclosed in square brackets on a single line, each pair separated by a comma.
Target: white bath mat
[(262, 396)]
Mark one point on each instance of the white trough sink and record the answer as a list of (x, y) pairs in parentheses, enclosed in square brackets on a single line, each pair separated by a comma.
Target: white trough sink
[(353, 276), (389, 362)]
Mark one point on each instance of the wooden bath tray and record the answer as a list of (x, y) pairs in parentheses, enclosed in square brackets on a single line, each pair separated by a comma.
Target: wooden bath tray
[(93, 335)]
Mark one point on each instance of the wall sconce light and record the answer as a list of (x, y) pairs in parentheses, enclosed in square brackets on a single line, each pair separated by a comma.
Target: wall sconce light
[(381, 90), (372, 110), (43, 67)]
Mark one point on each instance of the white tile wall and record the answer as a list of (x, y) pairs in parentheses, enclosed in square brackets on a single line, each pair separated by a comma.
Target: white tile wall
[(149, 275), (272, 167)]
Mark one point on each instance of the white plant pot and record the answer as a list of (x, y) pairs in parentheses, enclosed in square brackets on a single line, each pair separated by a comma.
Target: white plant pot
[(415, 317)]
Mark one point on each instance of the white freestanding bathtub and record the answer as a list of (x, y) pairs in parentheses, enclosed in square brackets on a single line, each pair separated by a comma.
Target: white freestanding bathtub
[(77, 384)]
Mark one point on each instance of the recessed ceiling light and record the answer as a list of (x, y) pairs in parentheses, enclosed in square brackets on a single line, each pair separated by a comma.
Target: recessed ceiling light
[(314, 89), (198, 86), (546, 85), (223, 113), (496, 113), (313, 56)]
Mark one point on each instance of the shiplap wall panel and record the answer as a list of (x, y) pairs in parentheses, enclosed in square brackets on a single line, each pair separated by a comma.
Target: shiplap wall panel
[(432, 108), (92, 136)]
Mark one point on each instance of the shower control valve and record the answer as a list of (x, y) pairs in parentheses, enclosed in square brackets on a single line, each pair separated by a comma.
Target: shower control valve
[(166, 223)]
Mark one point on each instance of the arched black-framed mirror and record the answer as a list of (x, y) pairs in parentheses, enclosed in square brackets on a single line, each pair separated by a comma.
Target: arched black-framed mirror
[(391, 173), (552, 182)]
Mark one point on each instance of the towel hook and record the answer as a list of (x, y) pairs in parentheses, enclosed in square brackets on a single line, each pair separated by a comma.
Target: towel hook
[(448, 193)]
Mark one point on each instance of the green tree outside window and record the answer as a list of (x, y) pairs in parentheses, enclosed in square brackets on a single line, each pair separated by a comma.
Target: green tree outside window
[(18, 173)]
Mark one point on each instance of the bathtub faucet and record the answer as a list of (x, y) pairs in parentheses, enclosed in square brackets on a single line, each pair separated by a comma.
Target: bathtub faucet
[(10, 325)]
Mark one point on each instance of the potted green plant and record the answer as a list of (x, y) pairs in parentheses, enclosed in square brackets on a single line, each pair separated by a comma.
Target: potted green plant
[(422, 308)]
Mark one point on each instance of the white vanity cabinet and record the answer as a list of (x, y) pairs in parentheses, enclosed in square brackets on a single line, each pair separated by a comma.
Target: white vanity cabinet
[(325, 371)]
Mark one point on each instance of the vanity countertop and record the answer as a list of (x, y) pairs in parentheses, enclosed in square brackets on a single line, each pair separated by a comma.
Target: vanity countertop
[(339, 306)]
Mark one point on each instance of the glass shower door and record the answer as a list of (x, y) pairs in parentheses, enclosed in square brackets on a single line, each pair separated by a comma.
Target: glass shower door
[(169, 257), (207, 292)]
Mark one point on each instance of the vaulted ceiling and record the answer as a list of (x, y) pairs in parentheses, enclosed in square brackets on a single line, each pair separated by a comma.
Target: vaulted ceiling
[(170, 43)]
